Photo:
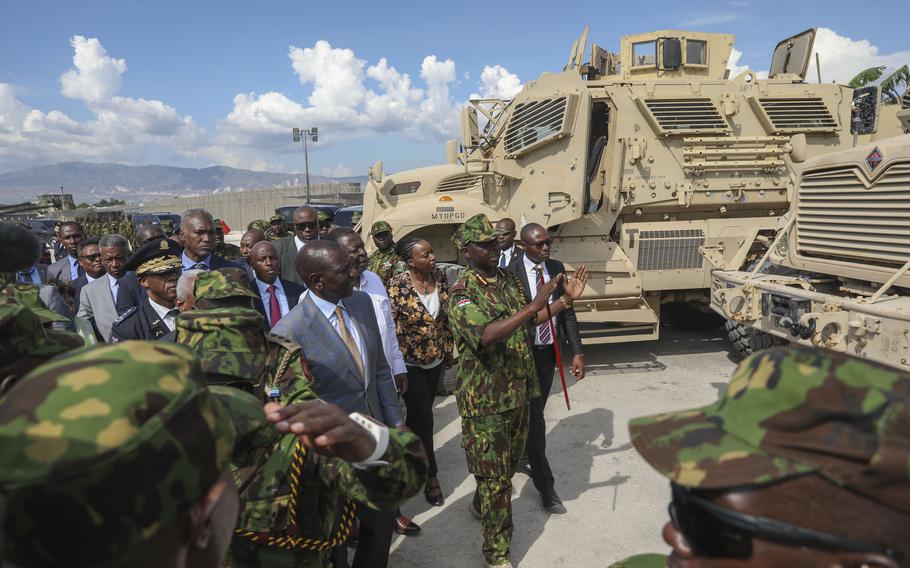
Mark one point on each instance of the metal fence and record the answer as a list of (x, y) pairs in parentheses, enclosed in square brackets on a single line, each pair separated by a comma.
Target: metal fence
[(238, 208)]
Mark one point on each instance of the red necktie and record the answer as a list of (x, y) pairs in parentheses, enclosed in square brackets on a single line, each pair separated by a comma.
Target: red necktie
[(274, 307)]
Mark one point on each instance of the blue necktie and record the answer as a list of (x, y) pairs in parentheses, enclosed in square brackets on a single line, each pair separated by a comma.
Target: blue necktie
[(502, 259)]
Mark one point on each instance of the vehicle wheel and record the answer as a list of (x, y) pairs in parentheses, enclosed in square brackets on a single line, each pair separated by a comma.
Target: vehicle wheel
[(689, 317), (747, 340)]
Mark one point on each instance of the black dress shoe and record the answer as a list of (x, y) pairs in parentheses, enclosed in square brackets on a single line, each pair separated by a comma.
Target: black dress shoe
[(406, 526), (433, 494), (524, 466), (552, 503)]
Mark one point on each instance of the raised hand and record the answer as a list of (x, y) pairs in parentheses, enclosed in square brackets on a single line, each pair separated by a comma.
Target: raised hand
[(323, 428), (545, 291), (575, 285)]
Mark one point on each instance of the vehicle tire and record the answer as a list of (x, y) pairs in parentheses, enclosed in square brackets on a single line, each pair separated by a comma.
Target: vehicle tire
[(686, 316), (747, 340)]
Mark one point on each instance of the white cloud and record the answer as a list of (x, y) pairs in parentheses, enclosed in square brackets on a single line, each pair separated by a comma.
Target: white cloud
[(735, 68), (340, 170), (496, 82), (710, 20), (97, 76), (842, 58)]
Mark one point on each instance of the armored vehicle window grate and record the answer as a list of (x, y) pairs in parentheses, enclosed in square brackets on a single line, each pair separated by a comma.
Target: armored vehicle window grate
[(843, 216), (905, 100), (670, 249), (686, 115), (808, 114), (533, 122), (460, 183)]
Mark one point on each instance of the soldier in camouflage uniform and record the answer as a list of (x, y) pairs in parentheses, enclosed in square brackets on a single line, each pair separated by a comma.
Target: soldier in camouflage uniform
[(754, 475), (119, 455), (285, 521), (493, 330), (168, 227), (384, 261), (325, 223), (277, 228), (223, 249)]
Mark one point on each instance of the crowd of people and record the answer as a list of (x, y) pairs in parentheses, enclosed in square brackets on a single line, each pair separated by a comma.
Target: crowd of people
[(179, 401)]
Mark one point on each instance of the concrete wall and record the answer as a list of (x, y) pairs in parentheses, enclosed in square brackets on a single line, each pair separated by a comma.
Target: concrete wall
[(238, 208)]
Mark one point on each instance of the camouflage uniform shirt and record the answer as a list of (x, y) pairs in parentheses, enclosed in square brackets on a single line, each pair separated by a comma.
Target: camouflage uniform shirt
[(386, 265), (498, 377)]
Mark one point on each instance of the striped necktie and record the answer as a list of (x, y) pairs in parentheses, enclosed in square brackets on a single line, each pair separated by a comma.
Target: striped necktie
[(543, 330)]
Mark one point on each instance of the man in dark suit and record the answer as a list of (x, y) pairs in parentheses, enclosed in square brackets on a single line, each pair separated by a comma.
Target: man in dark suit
[(92, 268), (306, 229), (67, 268), (534, 267), (508, 252), (197, 228), (275, 296), (337, 329), (157, 266)]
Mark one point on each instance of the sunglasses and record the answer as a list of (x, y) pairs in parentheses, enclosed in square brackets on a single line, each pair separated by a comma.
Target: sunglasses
[(92, 257), (715, 531), (307, 225)]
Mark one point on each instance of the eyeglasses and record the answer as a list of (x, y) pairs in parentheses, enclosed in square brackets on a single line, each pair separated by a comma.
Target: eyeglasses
[(306, 225), (715, 531), (540, 244), (92, 257)]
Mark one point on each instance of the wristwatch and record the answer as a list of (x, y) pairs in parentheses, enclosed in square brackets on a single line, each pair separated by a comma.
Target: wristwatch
[(380, 434), (566, 303)]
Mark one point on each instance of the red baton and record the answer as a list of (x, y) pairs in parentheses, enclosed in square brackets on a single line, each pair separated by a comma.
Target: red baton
[(562, 374)]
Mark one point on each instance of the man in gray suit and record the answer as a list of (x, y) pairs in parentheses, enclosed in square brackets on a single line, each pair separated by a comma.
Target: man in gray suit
[(98, 298), (337, 329), (306, 230), (67, 268)]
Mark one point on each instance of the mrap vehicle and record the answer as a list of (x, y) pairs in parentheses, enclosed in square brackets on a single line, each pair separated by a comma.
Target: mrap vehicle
[(636, 161)]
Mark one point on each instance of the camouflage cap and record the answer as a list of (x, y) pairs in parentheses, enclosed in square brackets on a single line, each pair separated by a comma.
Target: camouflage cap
[(322, 216), (790, 412), (27, 295), (380, 227), (276, 217), (222, 283), (228, 341), (477, 229), (119, 440), (260, 224), (23, 337)]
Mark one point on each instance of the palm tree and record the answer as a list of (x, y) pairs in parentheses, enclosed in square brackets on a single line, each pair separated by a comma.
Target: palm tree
[(892, 86)]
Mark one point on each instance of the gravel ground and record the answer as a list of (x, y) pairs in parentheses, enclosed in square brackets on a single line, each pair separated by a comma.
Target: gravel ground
[(616, 503)]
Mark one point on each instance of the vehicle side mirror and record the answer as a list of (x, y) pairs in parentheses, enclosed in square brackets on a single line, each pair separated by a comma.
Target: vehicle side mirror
[(671, 53), (375, 172), (798, 148), (452, 151)]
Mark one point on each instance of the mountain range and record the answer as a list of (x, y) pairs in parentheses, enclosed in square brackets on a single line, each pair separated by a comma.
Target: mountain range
[(89, 182)]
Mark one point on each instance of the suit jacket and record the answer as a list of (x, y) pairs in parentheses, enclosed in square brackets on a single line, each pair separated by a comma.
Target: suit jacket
[(130, 293), (78, 284), (140, 322), (96, 304), (292, 291), (42, 272), (335, 375), (51, 298), (566, 321), (512, 257), (60, 271), (287, 253)]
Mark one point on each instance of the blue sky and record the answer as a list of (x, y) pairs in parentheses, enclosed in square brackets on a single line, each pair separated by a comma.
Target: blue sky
[(204, 83)]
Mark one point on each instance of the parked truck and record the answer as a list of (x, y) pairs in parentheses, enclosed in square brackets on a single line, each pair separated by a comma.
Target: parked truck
[(637, 161)]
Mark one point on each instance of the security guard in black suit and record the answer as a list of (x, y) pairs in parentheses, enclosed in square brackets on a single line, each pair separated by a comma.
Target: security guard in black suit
[(533, 266), (157, 266)]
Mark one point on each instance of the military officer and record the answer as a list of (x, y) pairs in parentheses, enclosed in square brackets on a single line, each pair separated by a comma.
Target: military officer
[(492, 328), (277, 228), (286, 521), (801, 462), (157, 266), (325, 223), (384, 261), (226, 250)]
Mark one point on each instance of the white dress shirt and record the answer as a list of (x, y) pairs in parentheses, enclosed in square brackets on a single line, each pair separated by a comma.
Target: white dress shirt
[(531, 271), (89, 279), (328, 310), (372, 285), (265, 296), (114, 283), (507, 254), (300, 244), (166, 314)]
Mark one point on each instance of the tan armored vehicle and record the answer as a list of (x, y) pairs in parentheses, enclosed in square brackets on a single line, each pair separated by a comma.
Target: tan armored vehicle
[(635, 160), (837, 274)]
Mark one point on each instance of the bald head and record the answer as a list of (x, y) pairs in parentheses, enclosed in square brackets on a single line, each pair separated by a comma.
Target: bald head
[(148, 232), (306, 223), (531, 229), (327, 270), (247, 241), (536, 242)]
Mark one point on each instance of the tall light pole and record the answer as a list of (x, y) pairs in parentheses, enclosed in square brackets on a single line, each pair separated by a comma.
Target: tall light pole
[(305, 133)]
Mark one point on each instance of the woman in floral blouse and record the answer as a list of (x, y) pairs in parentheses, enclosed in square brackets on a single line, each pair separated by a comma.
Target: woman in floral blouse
[(418, 297)]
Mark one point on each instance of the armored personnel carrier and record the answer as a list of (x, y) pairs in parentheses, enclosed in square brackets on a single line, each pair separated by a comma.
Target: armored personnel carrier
[(636, 161)]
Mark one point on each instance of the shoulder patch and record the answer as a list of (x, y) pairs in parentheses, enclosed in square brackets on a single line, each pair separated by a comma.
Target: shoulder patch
[(464, 302), (458, 286), (283, 342), (126, 314)]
